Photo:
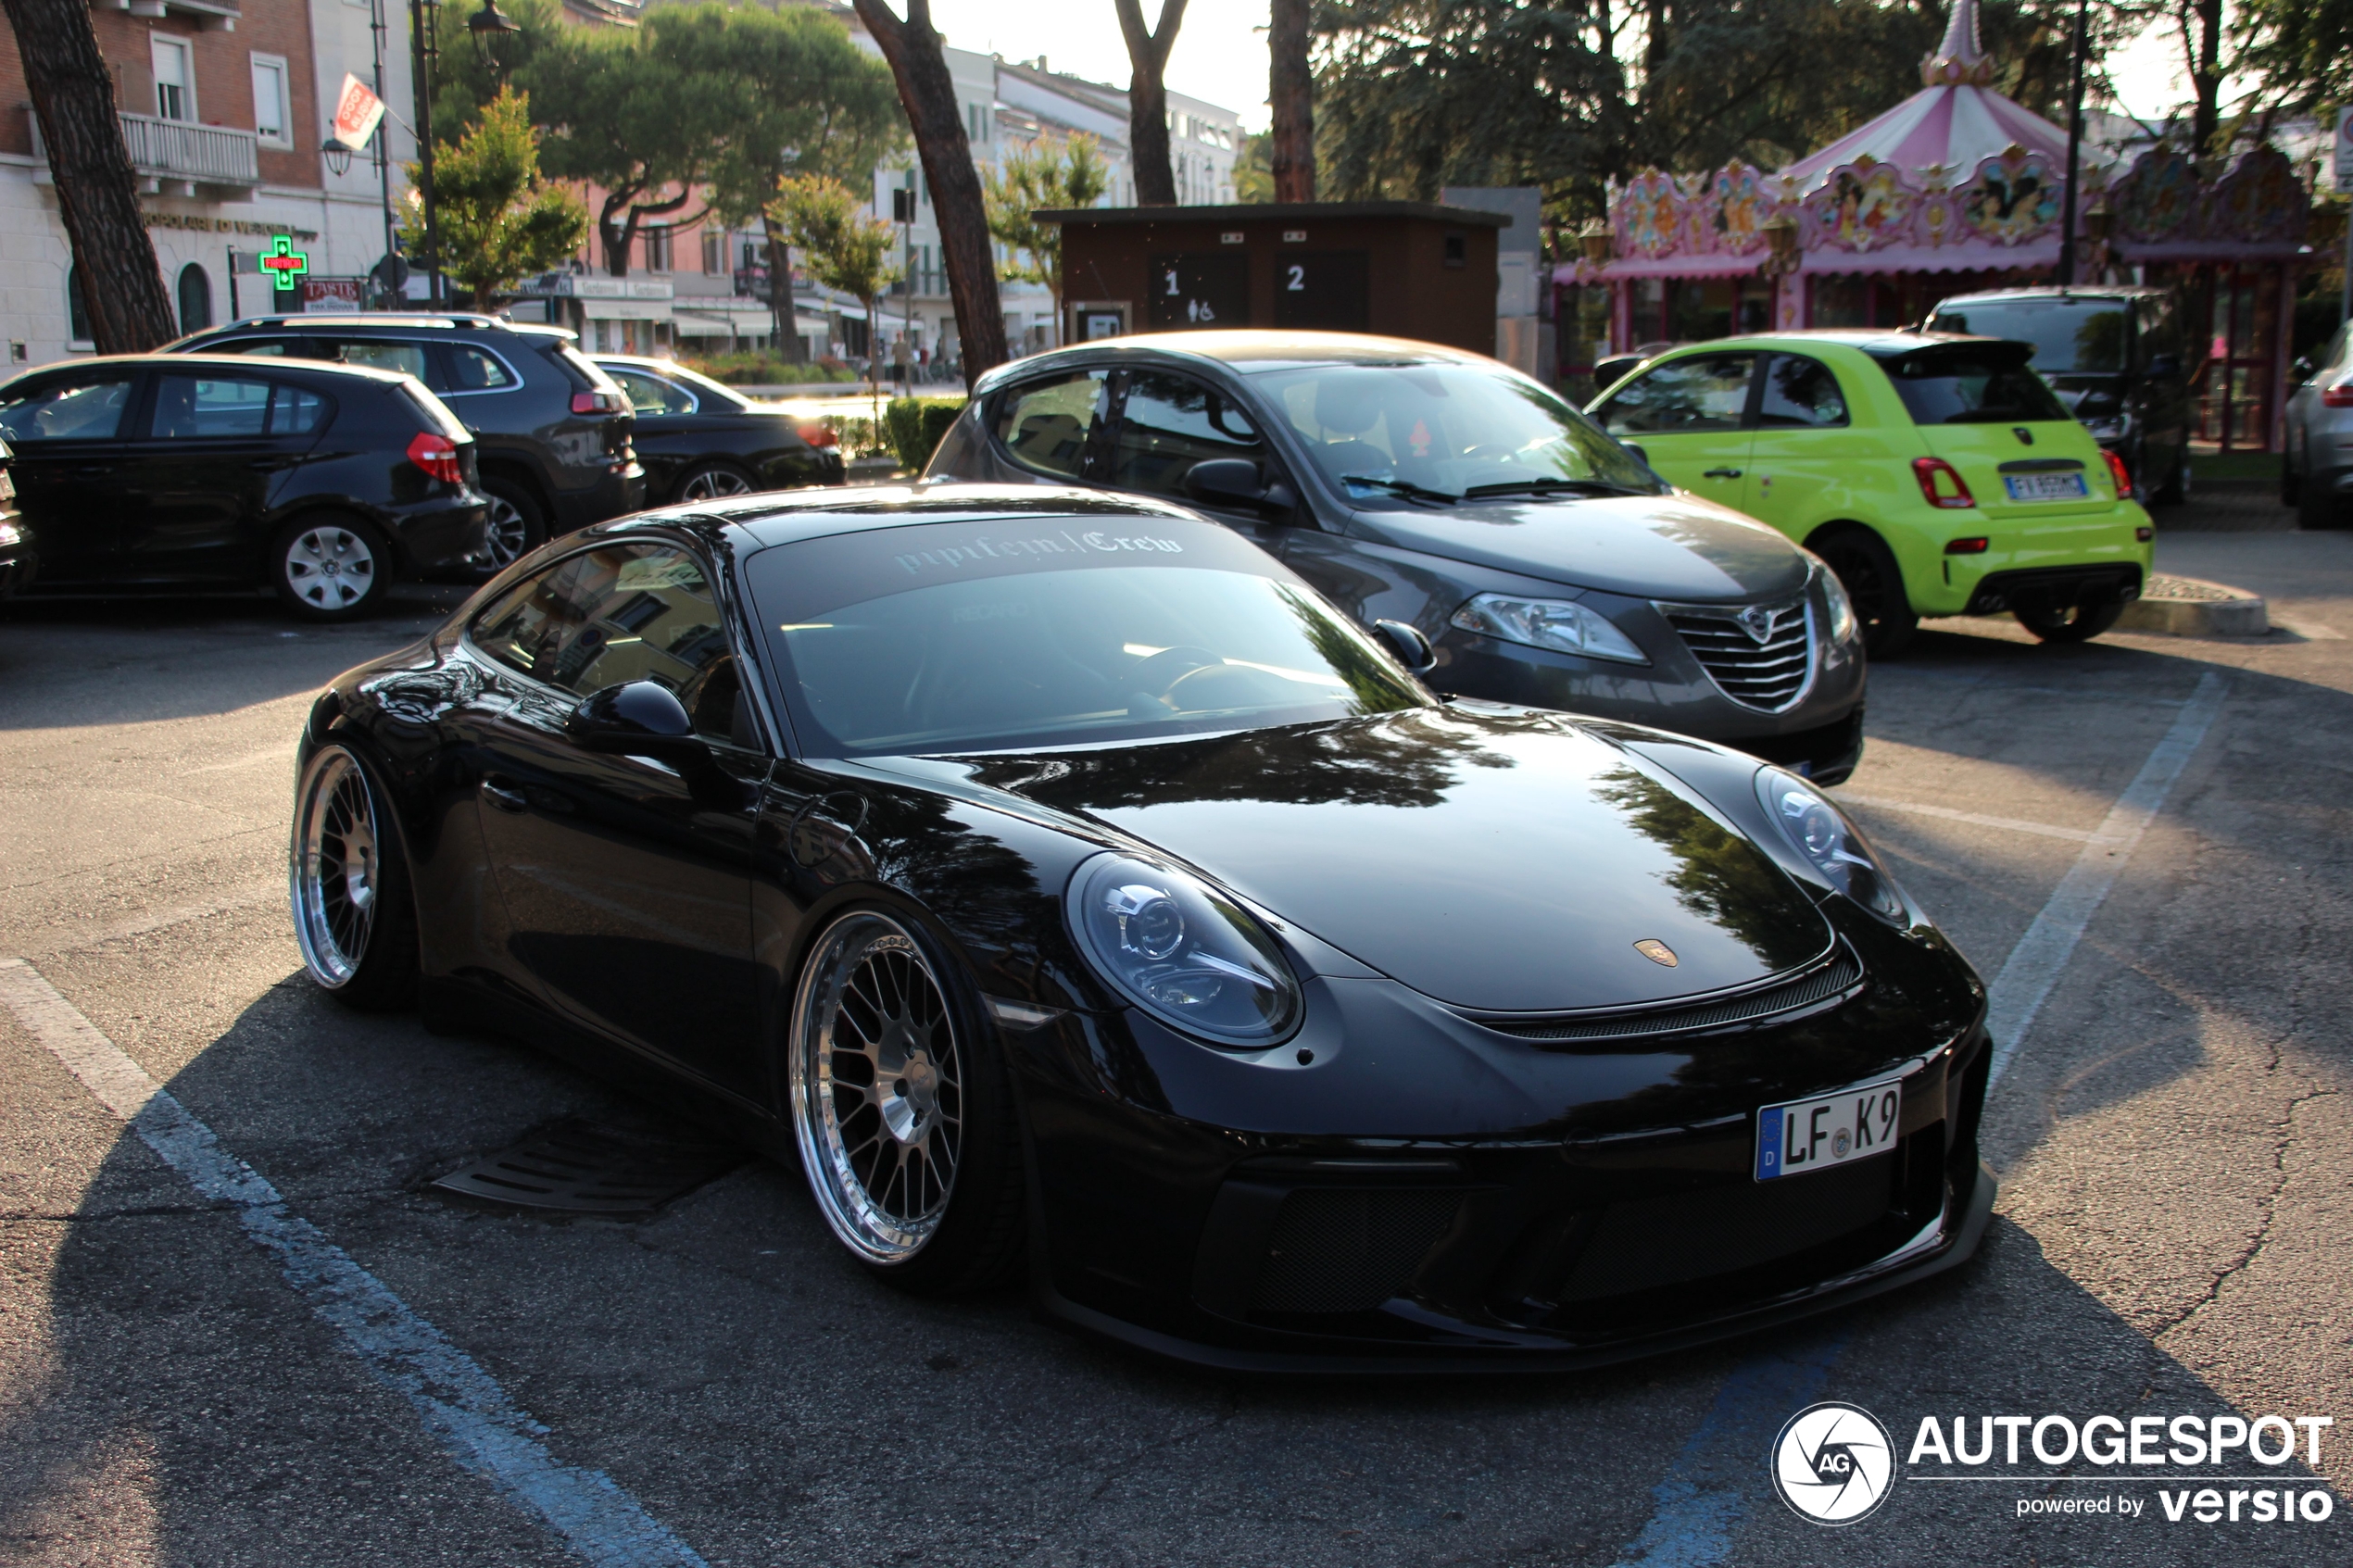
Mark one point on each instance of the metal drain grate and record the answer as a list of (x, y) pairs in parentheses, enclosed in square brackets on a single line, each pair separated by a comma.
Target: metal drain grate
[(577, 1168)]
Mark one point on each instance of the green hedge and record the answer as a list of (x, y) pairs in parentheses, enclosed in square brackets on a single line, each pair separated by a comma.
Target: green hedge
[(918, 425)]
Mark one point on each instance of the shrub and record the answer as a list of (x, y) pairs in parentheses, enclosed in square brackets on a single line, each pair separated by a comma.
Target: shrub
[(918, 425), (760, 368)]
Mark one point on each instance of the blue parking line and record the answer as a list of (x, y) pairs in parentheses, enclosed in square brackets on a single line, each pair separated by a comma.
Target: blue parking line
[(1700, 1501)]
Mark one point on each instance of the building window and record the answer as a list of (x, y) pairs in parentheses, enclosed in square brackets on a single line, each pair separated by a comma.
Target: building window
[(714, 251), (270, 116), (657, 248), (76, 307), (195, 299), (175, 84)]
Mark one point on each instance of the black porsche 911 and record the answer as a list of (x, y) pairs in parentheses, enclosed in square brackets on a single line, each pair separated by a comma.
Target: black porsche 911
[(700, 439), (1073, 892)]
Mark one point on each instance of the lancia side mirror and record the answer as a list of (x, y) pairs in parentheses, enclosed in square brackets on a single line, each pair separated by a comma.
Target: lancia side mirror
[(1225, 482), (637, 718), (1412, 649)]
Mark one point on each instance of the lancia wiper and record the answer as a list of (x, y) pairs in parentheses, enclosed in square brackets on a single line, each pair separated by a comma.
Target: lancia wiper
[(1400, 487), (1548, 486)]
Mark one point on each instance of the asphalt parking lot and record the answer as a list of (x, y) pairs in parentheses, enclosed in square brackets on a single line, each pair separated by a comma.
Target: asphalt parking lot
[(2143, 842)]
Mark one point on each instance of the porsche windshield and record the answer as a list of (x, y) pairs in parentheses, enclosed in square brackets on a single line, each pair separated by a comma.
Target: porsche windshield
[(1440, 431), (1015, 633)]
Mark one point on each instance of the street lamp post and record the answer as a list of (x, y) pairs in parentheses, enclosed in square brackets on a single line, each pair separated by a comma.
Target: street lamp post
[(422, 14), (2074, 150)]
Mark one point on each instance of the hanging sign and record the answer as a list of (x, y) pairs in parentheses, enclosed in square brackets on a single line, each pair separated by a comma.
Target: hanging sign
[(358, 113), (284, 264)]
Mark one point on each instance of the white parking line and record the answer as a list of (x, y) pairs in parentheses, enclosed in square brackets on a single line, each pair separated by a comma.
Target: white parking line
[(462, 1405), (1976, 819), (2035, 964)]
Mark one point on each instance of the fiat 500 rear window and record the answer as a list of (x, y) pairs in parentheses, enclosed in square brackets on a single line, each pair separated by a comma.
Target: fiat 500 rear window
[(1973, 383)]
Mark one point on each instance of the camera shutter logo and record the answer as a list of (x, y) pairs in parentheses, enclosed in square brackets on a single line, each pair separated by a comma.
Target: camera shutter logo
[(1833, 1463)]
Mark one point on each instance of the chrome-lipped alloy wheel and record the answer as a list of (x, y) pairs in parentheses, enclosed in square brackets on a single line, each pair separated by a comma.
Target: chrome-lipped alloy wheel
[(877, 1087), (709, 485), (336, 870), (509, 534), (330, 567)]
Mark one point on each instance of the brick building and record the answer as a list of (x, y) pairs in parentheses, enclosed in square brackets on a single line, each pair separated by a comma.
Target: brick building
[(224, 104)]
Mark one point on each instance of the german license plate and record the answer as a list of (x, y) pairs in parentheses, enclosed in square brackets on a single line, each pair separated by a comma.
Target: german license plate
[(1813, 1134), (2046, 487)]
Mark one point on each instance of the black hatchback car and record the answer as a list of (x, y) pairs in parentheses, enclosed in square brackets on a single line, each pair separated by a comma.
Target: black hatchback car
[(554, 432), (699, 439), (323, 483), (20, 562)]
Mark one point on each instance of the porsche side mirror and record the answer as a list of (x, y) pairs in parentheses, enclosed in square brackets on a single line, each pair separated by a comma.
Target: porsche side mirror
[(1412, 649), (636, 719), (1639, 456), (1225, 482)]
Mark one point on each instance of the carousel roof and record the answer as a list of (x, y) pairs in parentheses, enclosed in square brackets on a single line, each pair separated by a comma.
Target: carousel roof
[(1956, 121)]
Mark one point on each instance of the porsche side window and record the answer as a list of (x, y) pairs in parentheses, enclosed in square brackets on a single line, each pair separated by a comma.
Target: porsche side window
[(1800, 394), (83, 408), (1706, 392), (651, 394), (1046, 425), (1168, 423), (626, 612)]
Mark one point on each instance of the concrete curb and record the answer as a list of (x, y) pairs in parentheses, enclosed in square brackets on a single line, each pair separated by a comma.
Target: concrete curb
[(2185, 607)]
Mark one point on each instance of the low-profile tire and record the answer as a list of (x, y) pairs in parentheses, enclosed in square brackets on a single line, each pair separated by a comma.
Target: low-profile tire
[(355, 917), (2317, 506), (712, 482), (1867, 569), (2069, 623), (902, 1109), (329, 565), (516, 525)]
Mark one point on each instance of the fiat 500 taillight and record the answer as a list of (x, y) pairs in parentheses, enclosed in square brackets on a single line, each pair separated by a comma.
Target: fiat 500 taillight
[(438, 454), (1940, 482)]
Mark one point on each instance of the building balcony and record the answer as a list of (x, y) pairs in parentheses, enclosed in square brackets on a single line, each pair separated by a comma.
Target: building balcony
[(178, 157)]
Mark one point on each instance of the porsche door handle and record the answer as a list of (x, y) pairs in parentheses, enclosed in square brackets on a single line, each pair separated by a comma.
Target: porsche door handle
[(504, 797), (1721, 474)]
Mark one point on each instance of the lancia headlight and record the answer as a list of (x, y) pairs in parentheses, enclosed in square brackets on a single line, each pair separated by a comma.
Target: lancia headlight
[(1820, 832), (1558, 624), (1183, 951), (1841, 607)]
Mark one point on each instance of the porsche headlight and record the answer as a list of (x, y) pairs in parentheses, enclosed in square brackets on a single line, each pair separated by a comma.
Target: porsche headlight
[(1183, 951), (1820, 832), (1559, 624), (1841, 607)]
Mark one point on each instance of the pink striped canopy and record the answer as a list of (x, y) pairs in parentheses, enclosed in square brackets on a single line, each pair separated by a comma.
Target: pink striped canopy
[(1958, 127)]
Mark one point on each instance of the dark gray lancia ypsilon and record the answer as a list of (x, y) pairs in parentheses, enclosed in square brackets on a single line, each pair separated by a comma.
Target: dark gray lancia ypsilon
[(1437, 494)]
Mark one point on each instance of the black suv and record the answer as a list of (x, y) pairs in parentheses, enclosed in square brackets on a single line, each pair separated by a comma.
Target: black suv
[(2116, 357), (554, 431), (323, 483)]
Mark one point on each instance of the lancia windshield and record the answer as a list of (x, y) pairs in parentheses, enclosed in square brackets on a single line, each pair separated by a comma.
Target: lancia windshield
[(1022, 633), (1441, 432)]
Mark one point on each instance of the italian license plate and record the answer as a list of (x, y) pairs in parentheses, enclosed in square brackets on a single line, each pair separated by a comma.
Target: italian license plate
[(2046, 487), (1813, 1134)]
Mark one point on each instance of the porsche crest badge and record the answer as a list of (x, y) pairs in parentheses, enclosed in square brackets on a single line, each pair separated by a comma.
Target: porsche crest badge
[(1656, 951)]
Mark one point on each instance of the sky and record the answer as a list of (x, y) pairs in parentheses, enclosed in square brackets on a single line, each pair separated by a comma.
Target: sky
[(1221, 49)]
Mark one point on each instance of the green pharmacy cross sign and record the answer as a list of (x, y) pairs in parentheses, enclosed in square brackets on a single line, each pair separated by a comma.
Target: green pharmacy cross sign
[(283, 262)]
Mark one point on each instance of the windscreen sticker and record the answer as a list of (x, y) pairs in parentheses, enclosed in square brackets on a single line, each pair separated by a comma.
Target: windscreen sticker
[(1095, 542)]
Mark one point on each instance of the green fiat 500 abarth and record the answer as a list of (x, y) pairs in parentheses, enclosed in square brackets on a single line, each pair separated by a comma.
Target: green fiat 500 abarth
[(1936, 474)]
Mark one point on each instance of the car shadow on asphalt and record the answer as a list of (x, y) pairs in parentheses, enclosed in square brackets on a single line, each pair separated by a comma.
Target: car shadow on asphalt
[(723, 1362)]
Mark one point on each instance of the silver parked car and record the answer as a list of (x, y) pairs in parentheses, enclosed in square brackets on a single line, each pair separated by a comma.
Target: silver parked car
[(2316, 469), (1442, 498)]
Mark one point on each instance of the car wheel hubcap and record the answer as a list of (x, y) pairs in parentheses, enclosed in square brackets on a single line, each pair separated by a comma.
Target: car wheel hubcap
[(711, 484), (508, 535), (329, 568), (336, 870), (876, 1090)]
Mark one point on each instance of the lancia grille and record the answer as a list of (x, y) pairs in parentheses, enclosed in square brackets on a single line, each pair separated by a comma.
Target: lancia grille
[(1760, 655)]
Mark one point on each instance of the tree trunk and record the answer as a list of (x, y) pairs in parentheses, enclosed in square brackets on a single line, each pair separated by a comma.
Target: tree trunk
[(617, 227), (1148, 99), (928, 95), (1291, 94), (2202, 30), (122, 289), (780, 293)]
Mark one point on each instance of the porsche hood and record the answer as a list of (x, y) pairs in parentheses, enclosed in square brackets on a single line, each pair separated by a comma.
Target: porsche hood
[(1508, 862)]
